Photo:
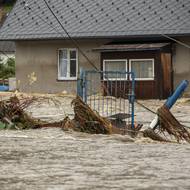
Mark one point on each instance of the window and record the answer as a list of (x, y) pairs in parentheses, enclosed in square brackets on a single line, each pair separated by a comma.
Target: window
[(143, 68), (67, 64), (115, 65)]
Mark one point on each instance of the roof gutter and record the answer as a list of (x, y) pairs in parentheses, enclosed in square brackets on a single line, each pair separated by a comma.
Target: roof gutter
[(96, 37)]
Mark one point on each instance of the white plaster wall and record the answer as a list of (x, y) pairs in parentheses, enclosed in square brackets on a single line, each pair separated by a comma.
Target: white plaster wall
[(181, 62), (41, 58)]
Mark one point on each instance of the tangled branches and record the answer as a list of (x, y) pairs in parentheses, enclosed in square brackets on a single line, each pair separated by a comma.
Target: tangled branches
[(13, 116), (169, 124), (86, 120)]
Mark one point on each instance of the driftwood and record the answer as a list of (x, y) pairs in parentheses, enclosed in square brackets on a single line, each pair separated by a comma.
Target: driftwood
[(86, 120), (169, 124)]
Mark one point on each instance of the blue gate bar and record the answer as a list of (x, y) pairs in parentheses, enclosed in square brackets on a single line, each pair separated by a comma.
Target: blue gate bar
[(133, 101)]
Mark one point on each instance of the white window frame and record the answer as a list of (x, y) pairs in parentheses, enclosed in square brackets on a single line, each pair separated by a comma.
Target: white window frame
[(68, 66), (153, 69), (115, 60)]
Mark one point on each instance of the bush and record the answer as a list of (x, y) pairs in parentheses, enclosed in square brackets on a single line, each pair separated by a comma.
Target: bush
[(7, 70)]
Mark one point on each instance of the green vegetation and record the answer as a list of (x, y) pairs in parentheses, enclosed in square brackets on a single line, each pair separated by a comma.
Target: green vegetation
[(5, 7), (7, 70)]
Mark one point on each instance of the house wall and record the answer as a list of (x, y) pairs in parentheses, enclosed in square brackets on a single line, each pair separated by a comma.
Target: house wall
[(41, 58), (181, 62)]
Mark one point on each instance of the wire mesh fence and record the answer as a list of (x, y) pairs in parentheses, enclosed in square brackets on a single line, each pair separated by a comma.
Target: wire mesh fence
[(110, 93)]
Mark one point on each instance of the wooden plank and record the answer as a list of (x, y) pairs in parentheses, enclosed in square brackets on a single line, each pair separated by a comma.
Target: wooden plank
[(166, 62)]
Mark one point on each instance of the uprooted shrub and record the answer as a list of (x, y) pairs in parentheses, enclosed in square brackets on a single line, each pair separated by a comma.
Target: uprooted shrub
[(168, 128), (13, 116), (170, 125), (86, 120)]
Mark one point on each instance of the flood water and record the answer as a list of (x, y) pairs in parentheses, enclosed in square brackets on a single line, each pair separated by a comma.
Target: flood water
[(49, 159)]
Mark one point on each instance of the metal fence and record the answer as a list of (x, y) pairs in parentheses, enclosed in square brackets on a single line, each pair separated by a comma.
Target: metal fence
[(110, 93)]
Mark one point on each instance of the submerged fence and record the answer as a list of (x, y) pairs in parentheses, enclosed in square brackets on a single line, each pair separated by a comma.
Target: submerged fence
[(110, 93)]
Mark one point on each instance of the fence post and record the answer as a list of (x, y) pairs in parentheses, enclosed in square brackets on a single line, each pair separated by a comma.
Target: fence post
[(81, 85), (132, 99), (84, 84)]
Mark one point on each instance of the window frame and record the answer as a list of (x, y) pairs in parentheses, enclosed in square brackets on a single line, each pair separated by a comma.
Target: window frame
[(69, 62), (153, 69), (113, 79)]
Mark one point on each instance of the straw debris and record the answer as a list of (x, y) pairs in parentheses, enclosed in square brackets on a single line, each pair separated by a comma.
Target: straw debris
[(169, 124), (86, 120), (168, 128)]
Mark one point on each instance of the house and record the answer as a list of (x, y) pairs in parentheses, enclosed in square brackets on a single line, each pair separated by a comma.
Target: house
[(150, 37)]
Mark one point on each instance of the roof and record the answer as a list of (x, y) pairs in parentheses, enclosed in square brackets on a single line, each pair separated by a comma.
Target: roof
[(97, 18), (131, 47)]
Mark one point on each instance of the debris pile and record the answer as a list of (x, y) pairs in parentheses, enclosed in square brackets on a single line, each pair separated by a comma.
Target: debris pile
[(168, 128), (86, 120), (168, 123), (13, 116)]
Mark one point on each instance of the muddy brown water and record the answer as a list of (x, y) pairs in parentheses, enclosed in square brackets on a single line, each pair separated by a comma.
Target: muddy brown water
[(49, 159)]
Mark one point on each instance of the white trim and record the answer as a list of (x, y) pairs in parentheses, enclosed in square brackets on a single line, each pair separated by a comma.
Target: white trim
[(68, 55), (113, 60), (153, 69)]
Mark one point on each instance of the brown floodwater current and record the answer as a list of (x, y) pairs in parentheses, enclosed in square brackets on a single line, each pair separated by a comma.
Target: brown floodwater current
[(50, 159)]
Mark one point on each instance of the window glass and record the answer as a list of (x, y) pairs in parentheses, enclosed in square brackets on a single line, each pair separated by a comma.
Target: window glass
[(67, 64), (63, 54), (114, 65), (73, 54), (143, 69), (73, 68), (62, 64)]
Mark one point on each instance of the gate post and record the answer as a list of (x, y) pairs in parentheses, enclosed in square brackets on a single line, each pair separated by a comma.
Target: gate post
[(132, 99), (81, 85), (84, 84)]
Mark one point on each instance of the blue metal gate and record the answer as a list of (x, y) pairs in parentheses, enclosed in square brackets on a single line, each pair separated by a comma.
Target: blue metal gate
[(110, 93)]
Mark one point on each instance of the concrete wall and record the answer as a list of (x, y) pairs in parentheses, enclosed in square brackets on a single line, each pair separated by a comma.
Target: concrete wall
[(181, 62), (41, 59)]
